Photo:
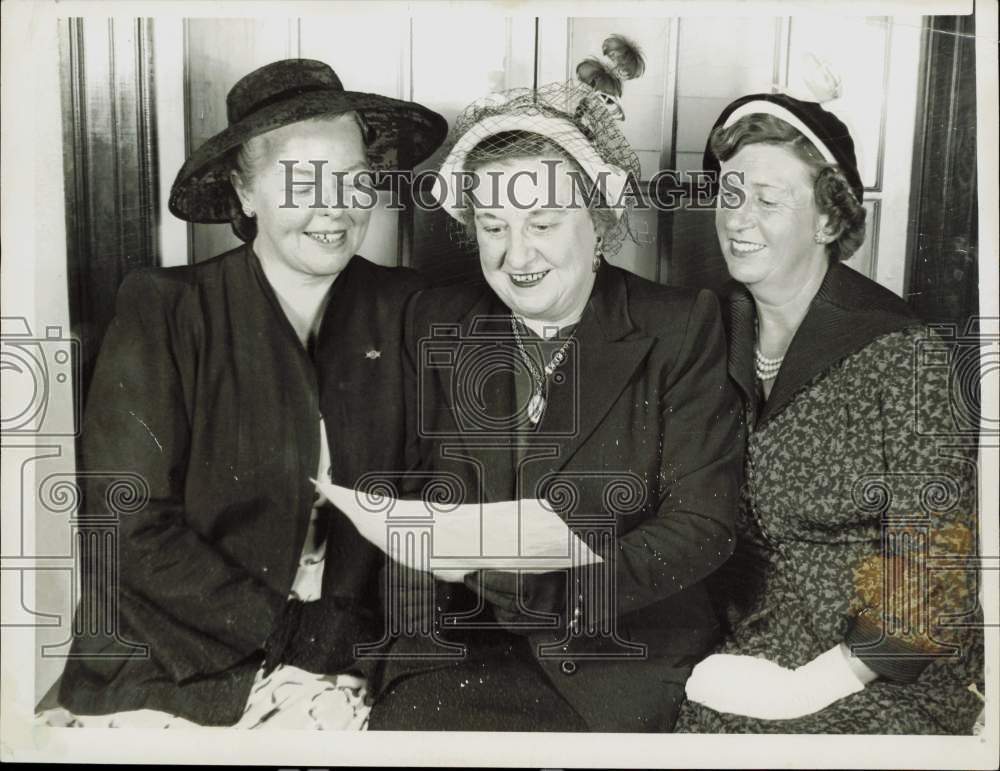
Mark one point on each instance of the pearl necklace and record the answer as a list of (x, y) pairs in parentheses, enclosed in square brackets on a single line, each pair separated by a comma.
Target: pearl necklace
[(766, 369)]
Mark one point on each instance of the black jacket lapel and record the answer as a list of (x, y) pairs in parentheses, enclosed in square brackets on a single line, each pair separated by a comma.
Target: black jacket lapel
[(289, 361), (608, 351), (740, 331), (847, 313)]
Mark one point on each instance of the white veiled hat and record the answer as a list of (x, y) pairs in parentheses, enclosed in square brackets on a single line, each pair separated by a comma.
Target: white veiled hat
[(571, 115)]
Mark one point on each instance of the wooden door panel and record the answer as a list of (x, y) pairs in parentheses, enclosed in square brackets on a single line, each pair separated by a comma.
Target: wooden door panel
[(219, 53)]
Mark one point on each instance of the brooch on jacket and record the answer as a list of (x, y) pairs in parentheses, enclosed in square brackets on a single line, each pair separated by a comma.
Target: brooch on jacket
[(373, 354)]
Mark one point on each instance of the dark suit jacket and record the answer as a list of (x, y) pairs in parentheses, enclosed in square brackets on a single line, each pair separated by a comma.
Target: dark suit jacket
[(642, 438), (204, 398)]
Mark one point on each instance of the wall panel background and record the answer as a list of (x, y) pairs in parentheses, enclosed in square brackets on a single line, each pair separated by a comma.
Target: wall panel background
[(695, 66)]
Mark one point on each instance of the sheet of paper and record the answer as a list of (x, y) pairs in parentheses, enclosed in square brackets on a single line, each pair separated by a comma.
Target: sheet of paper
[(522, 535)]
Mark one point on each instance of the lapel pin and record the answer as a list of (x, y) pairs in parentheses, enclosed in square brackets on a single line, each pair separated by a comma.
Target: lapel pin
[(373, 354)]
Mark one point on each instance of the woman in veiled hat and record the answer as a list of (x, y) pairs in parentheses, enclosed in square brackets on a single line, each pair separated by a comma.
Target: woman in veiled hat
[(571, 380), (224, 387), (852, 598)]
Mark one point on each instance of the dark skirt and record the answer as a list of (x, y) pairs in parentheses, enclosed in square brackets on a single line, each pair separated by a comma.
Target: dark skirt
[(499, 686)]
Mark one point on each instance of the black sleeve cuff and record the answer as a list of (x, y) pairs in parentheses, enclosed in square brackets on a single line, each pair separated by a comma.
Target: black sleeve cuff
[(886, 656), (318, 637)]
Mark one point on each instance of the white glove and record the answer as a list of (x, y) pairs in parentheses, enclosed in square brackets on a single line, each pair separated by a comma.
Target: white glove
[(758, 688)]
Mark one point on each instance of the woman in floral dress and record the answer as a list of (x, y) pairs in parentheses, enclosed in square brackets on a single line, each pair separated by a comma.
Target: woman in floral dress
[(860, 485)]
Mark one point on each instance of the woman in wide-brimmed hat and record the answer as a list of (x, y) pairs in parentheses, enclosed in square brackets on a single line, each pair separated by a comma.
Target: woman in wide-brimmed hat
[(572, 380), (224, 387)]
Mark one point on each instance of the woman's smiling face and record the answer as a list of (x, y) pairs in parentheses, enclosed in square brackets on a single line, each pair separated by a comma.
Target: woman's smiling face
[(769, 240), (311, 241), (538, 257)]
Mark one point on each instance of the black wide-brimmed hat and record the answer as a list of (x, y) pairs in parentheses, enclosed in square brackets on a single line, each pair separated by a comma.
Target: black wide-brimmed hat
[(401, 134), (820, 126)]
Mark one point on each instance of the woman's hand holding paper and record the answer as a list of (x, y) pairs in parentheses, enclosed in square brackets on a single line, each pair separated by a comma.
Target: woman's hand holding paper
[(451, 541)]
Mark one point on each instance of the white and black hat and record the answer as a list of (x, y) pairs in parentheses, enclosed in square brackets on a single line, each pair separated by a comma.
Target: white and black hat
[(821, 127)]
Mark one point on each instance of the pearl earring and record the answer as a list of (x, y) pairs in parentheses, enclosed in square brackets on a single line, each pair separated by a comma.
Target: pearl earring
[(598, 256), (248, 210), (819, 237)]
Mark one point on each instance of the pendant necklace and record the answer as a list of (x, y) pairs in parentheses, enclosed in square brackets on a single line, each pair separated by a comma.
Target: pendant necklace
[(536, 405)]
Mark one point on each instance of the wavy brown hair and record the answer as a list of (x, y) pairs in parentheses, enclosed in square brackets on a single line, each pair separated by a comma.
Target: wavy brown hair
[(831, 190)]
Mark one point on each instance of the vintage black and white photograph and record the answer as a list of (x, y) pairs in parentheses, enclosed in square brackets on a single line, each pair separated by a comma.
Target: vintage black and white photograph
[(514, 379)]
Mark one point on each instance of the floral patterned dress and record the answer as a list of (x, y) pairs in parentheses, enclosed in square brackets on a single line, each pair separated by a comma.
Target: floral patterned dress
[(858, 521)]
